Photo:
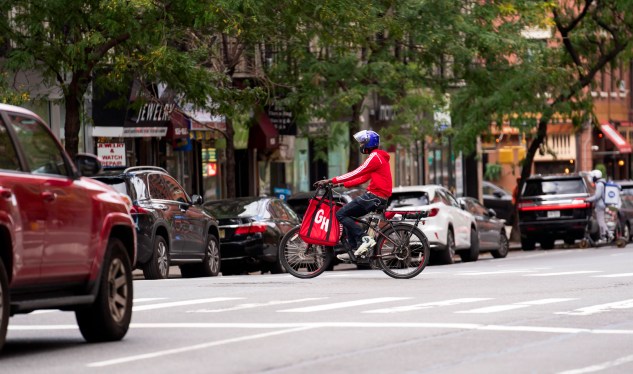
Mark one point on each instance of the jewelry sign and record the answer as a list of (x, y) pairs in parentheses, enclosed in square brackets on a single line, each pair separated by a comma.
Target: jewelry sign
[(111, 154)]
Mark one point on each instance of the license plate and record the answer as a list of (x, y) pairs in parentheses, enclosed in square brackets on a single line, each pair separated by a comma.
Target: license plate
[(221, 233), (553, 214)]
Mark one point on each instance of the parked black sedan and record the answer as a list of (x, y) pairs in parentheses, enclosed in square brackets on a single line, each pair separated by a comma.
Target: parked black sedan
[(500, 200), (250, 231), (491, 230), (300, 200), (172, 228)]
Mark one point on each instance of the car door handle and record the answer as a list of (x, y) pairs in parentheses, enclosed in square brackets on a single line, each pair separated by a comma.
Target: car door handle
[(48, 196), (5, 193)]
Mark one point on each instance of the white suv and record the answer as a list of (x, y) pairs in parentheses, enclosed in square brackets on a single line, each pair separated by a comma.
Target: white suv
[(449, 228)]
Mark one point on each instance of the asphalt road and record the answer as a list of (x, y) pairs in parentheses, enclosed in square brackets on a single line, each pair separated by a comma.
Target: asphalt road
[(560, 311)]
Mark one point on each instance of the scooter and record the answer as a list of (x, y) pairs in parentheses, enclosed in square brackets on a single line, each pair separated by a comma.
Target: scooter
[(614, 232)]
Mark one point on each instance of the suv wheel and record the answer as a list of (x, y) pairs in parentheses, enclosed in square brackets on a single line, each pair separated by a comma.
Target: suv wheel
[(108, 318), (527, 244), (447, 256), (158, 266), (210, 266), (4, 303), (471, 254)]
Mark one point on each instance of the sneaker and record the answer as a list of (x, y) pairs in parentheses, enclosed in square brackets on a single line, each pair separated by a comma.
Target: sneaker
[(368, 242), (343, 257)]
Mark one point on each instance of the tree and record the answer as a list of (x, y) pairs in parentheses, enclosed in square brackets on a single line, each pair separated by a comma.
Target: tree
[(68, 41)]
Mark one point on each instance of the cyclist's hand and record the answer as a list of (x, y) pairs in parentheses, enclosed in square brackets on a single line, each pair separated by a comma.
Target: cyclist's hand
[(323, 182)]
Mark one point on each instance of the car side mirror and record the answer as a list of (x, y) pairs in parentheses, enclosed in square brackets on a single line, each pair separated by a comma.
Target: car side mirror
[(492, 213), (87, 164), (196, 200)]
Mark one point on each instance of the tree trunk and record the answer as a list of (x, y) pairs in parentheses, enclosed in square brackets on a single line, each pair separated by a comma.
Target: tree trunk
[(73, 123), (230, 159)]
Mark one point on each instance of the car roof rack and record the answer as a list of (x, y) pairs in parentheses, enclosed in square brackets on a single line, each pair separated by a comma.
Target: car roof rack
[(135, 168)]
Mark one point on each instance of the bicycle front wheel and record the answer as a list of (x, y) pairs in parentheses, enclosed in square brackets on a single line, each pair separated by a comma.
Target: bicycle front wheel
[(301, 259), (402, 251)]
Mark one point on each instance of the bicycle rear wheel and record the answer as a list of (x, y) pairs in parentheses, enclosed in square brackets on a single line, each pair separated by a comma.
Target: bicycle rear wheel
[(301, 259), (402, 251)]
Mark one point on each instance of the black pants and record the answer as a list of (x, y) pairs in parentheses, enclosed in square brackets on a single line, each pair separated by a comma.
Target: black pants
[(358, 207)]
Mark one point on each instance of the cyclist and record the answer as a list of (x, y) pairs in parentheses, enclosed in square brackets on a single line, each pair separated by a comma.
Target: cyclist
[(599, 205), (377, 170)]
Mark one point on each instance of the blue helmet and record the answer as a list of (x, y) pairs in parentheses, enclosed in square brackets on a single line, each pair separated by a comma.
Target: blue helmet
[(369, 140)]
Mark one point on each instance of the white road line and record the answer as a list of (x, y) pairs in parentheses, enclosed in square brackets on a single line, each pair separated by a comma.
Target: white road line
[(346, 304), (601, 366), (562, 273), (139, 300), (595, 309), (613, 275), (255, 305), (497, 272), (408, 308), (524, 304), (181, 303), (190, 348)]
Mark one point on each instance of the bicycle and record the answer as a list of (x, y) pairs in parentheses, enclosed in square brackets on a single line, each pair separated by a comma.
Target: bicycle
[(401, 250)]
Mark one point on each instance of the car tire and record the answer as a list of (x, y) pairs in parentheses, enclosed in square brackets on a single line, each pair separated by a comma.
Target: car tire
[(4, 304), (210, 266), (108, 318), (547, 244), (471, 254), (627, 232), (504, 246), (527, 244), (158, 265), (447, 256)]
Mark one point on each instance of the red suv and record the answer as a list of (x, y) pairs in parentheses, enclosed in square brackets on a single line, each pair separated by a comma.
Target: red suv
[(67, 242)]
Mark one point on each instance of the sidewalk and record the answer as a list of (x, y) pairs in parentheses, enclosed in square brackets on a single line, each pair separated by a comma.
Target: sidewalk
[(513, 245)]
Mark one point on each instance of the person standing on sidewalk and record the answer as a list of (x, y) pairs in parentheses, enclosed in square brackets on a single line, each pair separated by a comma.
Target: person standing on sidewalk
[(377, 170)]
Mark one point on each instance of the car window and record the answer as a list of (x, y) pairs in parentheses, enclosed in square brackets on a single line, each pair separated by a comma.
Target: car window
[(43, 154), (487, 189), (478, 209), (157, 188), (554, 187), (627, 197), (176, 192), (450, 199), (8, 154), (404, 199), (291, 214), (238, 208)]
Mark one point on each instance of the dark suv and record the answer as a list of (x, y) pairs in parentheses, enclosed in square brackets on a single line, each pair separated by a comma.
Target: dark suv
[(67, 242), (553, 207), (172, 228)]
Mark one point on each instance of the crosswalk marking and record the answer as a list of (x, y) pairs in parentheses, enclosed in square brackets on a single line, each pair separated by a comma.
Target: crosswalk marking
[(523, 304), (346, 304), (497, 272), (408, 308), (562, 273), (621, 275), (181, 303), (255, 305), (595, 309)]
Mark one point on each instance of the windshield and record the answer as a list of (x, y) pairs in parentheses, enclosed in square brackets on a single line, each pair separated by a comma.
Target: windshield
[(405, 199), (255, 209), (554, 187)]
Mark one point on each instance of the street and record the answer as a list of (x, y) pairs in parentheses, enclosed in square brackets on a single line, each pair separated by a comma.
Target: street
[(559, 311)]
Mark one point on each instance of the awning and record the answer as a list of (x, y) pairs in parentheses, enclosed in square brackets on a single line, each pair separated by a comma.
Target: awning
[(178, 126), (615, 137), (263, 134)]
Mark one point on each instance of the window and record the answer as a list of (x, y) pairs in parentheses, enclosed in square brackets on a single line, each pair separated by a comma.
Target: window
[(8, 155), (43, 153), (176, 192), (157, 188)]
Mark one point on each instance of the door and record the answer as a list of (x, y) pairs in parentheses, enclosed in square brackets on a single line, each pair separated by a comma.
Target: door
[(69, 249), (461, 219), (192, 220), (22, 211)]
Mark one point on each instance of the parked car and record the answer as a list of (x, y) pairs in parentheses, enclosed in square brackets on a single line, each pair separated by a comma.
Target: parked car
[(553, 207), (500, 200), (491, 230), (625, 212), (68, 242), (251, 229), (300, 200), (449, 228), (172, 228)]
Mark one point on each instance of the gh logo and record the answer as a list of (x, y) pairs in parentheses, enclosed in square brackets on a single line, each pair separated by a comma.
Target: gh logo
[(320, 219)]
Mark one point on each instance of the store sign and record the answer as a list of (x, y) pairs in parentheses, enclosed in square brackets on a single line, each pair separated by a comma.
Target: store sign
[(135, 132), (154, 112), (282, 119), (210, 169), (111, 154)]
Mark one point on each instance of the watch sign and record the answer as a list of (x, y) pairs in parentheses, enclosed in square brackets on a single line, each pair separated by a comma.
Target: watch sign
[(111, 154)]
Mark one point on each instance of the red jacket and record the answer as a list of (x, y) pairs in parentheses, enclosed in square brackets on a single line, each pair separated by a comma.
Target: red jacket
[(376, 168)]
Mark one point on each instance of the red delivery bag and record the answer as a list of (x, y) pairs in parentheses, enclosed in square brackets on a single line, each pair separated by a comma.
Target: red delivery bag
[(320, 225)]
